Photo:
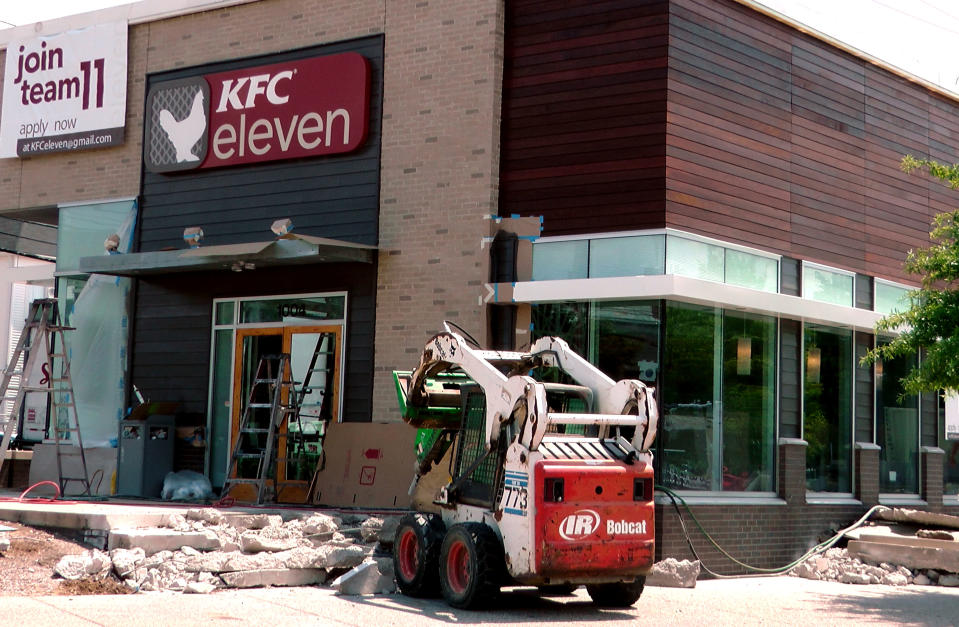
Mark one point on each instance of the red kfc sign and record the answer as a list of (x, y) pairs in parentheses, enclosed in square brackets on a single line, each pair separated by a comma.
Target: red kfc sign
[(304, 108)]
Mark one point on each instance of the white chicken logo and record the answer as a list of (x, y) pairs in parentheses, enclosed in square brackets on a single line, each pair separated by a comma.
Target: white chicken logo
[(185, 133)]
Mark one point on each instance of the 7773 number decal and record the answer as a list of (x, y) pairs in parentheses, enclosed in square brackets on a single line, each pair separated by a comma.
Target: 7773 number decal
[(516, 493)]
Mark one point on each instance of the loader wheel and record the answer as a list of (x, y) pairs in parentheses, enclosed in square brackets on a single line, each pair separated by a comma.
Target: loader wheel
[(471, 565), (416, 555), (616, 594)]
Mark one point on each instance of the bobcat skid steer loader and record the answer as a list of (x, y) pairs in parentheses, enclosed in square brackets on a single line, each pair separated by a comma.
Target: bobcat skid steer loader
[(519, 481)]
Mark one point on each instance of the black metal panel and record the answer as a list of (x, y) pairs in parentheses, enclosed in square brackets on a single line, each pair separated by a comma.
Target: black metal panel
[(864, 292), (335, 196), (789, 281), (865, 390), (790, 388), (173, 325)]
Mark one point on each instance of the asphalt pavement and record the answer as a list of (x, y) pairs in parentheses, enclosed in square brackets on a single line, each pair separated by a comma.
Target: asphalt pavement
[(740, 601)]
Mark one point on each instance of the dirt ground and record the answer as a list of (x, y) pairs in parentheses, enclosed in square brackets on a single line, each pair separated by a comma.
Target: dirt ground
[(26, 568)]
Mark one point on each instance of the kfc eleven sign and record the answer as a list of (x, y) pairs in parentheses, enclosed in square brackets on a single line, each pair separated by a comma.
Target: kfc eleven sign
[(303, 108)]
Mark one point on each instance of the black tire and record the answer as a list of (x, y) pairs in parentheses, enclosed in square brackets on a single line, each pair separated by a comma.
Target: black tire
[(471, 565), (616, 594), (557, 590), (416, 551)]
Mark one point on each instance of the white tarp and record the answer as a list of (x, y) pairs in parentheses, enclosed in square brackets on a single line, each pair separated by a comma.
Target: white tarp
[(65, 92), (98, 349)]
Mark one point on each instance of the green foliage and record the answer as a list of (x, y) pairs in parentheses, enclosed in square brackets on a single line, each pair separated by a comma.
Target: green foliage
[(931, 322)]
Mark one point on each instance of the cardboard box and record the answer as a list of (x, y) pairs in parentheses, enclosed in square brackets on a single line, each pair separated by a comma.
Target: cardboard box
[(369, 465)]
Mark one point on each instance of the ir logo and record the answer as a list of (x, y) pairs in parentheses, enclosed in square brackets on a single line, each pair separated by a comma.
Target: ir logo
[(579, 525)]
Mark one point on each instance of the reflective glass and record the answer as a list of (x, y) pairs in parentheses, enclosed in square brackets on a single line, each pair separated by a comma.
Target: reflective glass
[(692, 258), (560, 260), (224, 312), (897, 427), (890, 298), (627, 256), (753, 271), (289, 310), (950, 471), (827, 408), (826, 286)]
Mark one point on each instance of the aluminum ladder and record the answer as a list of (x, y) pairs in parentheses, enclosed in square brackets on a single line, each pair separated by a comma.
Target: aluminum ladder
[(272, 391), (43, 337)]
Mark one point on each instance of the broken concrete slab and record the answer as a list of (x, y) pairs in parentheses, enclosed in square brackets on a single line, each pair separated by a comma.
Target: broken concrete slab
[(342, 556), (912, 557), (4, 543), (365, 578), (274, 577), (199, 587), (673, 573), (94, 563), (932, 543), (158, 539), (917, 517)]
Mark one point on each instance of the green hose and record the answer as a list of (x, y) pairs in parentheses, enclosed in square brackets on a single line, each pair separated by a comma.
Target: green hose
[(816, 550)]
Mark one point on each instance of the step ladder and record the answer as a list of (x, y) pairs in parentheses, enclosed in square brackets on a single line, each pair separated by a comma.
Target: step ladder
[(273, 400), (43, 338)]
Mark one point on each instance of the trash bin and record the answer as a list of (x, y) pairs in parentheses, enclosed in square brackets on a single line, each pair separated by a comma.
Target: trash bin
[(145, 454)]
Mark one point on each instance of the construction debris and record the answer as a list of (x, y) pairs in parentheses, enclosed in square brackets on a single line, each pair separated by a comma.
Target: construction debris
[(206, 550), (896, 555), (672, 573)]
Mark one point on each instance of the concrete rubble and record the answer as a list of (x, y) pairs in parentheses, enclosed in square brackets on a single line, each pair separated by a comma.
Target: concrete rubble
[(207, 550), (894, 555), (673, 573)]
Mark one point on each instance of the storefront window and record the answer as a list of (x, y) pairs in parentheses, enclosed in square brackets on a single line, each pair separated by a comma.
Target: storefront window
[(890, 298), (827, 408), (97, 307), (948, 442), (569, 321), (560, 260), (693, 258), (718, 401), (827, 285), (897, 427), (627, 256), (625, 339), (753, 271), (290, 310)]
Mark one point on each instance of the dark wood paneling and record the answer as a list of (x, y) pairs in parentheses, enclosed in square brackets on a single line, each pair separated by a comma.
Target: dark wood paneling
[(790, 379), (864, 292), (172, 328), (584, 114), (790, 276), (865, 391), (336, 196), (929, 420)]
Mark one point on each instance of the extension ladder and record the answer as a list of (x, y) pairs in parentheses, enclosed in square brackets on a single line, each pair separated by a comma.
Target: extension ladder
[(43, 337), (272, 392)]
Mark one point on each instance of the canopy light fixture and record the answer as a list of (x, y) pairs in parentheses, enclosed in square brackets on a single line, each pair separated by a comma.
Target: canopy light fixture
[(112, 244), (282, 227), (192, 236)]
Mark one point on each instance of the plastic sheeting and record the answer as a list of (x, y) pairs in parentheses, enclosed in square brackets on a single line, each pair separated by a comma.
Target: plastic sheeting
[(98, 349)]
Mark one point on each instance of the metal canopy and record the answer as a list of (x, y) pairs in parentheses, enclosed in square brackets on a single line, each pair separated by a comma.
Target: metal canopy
[(290, 249)]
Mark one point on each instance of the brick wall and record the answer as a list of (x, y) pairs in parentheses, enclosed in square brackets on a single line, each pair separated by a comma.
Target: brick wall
[(439, 168)]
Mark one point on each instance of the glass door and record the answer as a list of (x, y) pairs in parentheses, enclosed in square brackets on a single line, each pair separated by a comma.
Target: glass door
[(314, 353)]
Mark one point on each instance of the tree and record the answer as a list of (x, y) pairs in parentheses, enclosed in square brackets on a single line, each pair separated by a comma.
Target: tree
[(931, 323)]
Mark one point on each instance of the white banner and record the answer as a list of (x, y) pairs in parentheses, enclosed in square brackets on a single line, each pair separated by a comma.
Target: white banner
[(65, 92)]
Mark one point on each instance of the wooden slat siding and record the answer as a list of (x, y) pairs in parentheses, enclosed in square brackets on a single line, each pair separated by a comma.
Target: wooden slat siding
[(790, 388), (929, 420), (172, 328), (735, 74), (336, 196), (584, 114), (865, 390)]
